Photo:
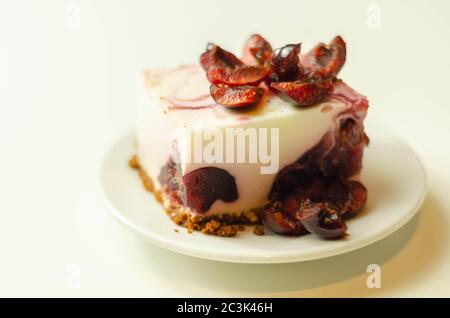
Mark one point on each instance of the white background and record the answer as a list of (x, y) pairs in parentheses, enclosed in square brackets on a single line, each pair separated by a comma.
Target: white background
[(67, 90)]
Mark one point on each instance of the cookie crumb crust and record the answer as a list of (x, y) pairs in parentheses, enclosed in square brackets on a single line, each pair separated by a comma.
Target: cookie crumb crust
[(223, 225), (258, 230)]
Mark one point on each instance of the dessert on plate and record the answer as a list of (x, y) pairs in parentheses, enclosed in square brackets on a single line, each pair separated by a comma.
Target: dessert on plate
[(271, 138)]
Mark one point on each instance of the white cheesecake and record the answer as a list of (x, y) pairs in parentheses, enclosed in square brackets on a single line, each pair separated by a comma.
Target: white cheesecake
[(175, 102)]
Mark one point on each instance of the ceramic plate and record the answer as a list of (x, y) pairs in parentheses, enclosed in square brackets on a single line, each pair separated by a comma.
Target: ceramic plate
[(392, 172)]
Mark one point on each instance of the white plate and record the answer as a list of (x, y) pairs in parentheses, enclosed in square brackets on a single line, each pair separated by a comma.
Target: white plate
[(392, 172)]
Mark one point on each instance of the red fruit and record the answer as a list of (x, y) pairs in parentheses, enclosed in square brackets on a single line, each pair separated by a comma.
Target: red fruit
[(351, 134), (236, 97), (357, 198), (283, 224), (322, 219), (216, 56), (327, 60), (286, 65), (304, 93), (242, 75), (170, 177), (257, 51), (346, 157), (206, 185), (280, 217)]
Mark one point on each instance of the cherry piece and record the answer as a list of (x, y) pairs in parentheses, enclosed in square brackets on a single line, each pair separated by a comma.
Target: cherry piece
[(170, 179), (346, 157), (242, 75), (281, 217), (322, 219), (257, 51), (304, 93), (286, 65), (327, 60), (206, 185), (216, 56), (351, 135), (356, 199), (236, 97), (283, 223)]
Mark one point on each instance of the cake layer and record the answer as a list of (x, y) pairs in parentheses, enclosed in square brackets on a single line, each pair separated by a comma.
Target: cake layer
[(175, 111)]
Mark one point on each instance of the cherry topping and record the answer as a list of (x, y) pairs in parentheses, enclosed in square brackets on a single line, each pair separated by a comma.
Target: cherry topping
[(327, 60), (206, 185), (216, 56), (322, 219), (303, 81), (257, 51), (236, 97), (286, 64), (304, 93), (242, 75)]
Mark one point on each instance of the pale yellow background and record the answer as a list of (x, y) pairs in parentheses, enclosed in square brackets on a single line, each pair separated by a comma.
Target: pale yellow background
[(68, 92)]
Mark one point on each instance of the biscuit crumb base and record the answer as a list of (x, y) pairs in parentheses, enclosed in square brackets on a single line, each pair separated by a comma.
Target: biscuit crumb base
[(258, 230), (224, 225)]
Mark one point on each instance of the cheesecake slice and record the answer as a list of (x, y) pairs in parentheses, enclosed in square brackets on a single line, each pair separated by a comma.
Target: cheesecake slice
[(248, 141)]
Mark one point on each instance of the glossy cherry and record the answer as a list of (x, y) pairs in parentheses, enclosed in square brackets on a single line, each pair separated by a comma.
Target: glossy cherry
[(304, 93), (281, 217), (323, 219), (286, 65), (327, 60), (257, 51), (238, 76), (236, 97), (215, 56)]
